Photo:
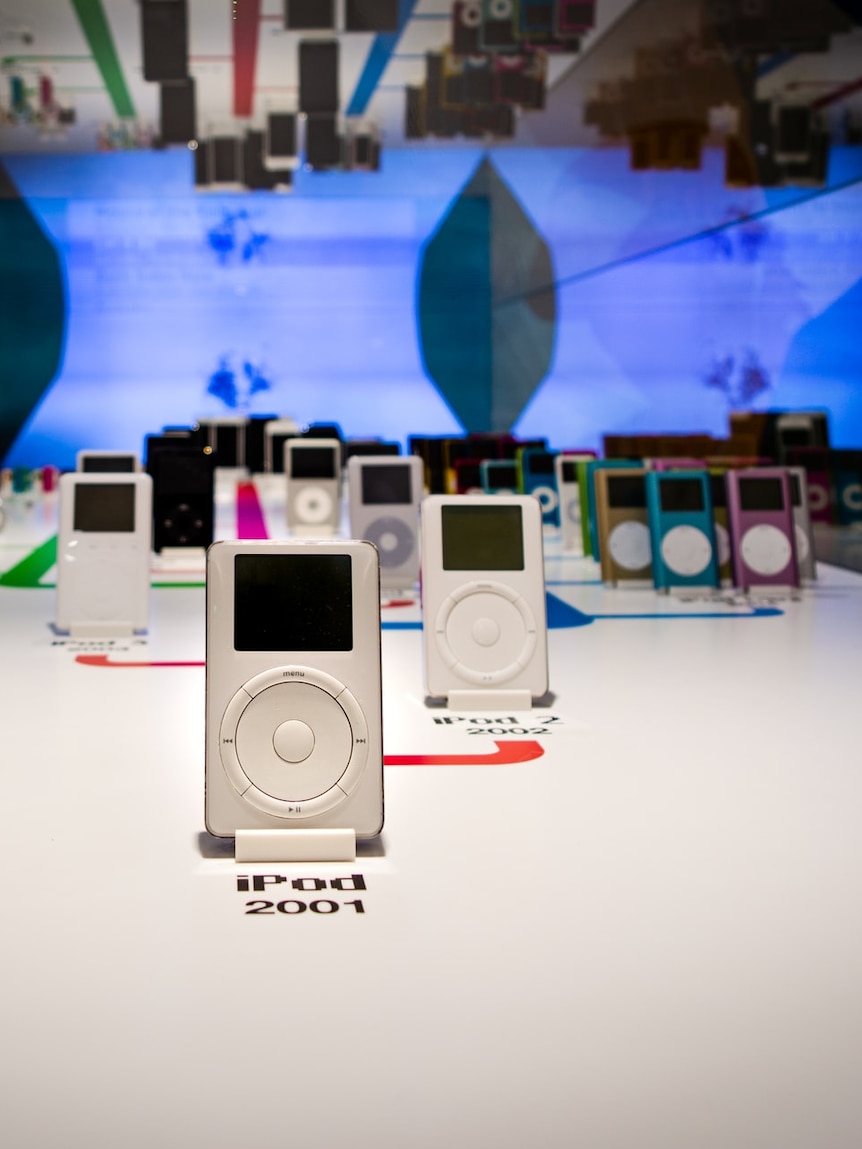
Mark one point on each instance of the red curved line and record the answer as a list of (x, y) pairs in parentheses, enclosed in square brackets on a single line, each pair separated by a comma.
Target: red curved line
[(106, 660), (507, 754), (393, 602)]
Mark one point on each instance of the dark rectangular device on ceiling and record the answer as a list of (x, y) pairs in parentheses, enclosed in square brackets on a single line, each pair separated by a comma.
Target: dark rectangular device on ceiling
[(318, 76), (164, 40)]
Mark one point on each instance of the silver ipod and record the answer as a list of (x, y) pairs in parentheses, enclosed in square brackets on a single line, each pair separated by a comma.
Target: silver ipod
[(294, 734), (313, 471), (384, 496)]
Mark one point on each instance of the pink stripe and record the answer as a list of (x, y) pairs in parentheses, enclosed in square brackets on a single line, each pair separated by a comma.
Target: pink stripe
[(250, 522)]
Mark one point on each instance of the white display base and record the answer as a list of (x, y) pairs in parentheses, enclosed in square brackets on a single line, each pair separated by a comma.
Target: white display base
[(295, 846), (489, 700), (101, 630)]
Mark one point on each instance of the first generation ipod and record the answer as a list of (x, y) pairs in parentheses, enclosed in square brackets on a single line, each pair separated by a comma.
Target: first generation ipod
[(293, 687), (483, 591), (313, 470), (682, 531), (763, 539), (385, 492), (103, 553), (622, 525)]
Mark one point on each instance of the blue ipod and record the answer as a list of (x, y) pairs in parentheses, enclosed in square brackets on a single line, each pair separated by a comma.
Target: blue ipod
[(539, 478), (590, 487), (682, 530)]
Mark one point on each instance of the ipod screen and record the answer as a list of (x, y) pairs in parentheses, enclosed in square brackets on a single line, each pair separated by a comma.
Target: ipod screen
[(761, 495), (293, 602), (626, 491), (718, 490), (482, 538), (570, 472), (108, 463), (540, 463), (681, 494), (184, 473), (385, 484), (104, 507), (312, 463)]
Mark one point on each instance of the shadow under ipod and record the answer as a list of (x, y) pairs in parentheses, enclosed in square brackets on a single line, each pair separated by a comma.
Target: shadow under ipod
[(293, 687)]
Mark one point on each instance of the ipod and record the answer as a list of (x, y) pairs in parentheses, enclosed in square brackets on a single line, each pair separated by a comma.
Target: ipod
[(569, 492), (538, 478), (622, 525), (484, 624), (682, 534), (671, 463), (384, 496), (763, 539), (226, 437), (720, 526), (294, 735), (183, 496), (103, 553), (805, 556), (275, 435), (816, 461), (847, 483), (313, 470), (499, 476), (107, 461), (588, 498)]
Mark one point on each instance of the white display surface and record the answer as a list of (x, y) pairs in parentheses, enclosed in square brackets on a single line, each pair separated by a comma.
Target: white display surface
[(647, 936)]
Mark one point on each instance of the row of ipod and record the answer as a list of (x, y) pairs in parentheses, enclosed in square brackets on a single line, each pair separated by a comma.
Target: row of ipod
[(293, 647), (689, 527)]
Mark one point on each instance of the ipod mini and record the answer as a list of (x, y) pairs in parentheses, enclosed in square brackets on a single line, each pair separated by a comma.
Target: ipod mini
[(484, 625), (805, 556), (95, 462), (538, 478), (720, 526), (313, 471), (588, 498), (384, 496), (763, 538), (103, 553), (293, 687), (681, 529), (622, 525)]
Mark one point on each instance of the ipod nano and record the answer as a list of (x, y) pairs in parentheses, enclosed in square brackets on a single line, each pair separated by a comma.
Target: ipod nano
[(538, 478), (483, 594), (313, 470), (622, 525), (94, 462), (384, 496), (103, 553), (763, 539), (293, 687), (805, 556), (499, 476), (681, 529)]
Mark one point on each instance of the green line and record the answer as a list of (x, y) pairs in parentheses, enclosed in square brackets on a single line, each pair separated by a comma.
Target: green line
[(28, 572), (94, 22)]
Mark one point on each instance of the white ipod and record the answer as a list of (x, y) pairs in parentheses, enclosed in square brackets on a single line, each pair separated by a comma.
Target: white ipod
[(384, 496), (275, 434), (294, 734), (103, 553), (566, 467), (107, 461), (483, 594), (313, 471)]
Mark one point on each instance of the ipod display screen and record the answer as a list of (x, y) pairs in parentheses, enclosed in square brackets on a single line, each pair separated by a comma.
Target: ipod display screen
[(184, 473), (541, 463), (795, 490), (104, 507), (108, 463), (626, 491), (504, 475), (570, 472), (681, 495), (718, 490), (761, 495), (482, 538), (293, 602), (386, 484), (312, 463)]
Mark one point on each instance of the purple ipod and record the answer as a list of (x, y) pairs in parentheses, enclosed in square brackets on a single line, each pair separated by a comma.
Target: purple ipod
[(670, 463), (760, 520)]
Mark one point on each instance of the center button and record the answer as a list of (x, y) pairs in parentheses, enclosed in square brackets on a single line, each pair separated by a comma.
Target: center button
[(293, 741), (485, 631)]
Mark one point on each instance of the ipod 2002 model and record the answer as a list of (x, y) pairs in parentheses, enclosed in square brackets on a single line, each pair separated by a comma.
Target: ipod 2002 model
[(763, 539), (483, 594), (103, 553), (681, 529), (385, 492), (313, 470), (622, 525), (294, 734), (107, 461), (802, 524)]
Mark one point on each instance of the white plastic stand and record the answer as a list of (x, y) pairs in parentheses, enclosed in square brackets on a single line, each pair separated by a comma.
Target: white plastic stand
[(489, 700), (295, 846), (101, 630)]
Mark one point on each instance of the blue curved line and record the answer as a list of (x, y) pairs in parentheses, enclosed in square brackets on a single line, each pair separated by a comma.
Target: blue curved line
[(378, 58)]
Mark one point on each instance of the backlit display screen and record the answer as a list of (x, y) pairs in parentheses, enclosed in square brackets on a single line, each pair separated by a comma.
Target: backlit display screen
[(482, 538), (384, 484), (296, 602), (312, 463), (104, 507)]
